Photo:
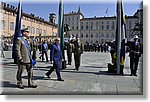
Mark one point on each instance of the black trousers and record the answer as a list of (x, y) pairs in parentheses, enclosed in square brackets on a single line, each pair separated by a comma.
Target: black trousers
[(44, 52), (69, 55), (57, 66), (134, 64)]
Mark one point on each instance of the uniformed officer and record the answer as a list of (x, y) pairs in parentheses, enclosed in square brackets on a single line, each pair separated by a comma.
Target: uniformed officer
[(34, 49), (56, 59), (78, 50), (135, 54), (69, 52), (24, 59)]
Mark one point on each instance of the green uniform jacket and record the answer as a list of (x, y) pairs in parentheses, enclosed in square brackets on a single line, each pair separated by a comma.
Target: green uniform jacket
[(22, 51)]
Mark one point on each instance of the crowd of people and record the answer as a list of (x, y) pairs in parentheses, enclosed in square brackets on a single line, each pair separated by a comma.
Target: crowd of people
[(26, 54), (96, 47)]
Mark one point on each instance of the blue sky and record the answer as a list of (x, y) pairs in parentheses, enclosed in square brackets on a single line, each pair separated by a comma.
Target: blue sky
[(89, 9)]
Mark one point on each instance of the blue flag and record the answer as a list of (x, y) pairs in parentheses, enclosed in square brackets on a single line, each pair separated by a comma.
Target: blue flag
[(17, 32)]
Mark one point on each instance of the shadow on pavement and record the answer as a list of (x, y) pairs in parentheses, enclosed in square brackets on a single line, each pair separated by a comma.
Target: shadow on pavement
[(8, 84), (94, 67)]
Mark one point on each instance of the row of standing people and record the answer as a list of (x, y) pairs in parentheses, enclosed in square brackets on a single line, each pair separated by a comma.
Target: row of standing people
[(96, 47)]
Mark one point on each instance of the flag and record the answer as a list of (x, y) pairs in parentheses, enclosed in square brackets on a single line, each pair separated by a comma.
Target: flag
[(17, 32), (123, 35), (106, 11), (120, 36), (61, 24)]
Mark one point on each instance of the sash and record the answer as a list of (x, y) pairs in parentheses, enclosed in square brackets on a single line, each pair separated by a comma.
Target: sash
[(33, 62)]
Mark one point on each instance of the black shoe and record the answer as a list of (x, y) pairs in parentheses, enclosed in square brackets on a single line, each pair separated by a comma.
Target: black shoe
[(131, 74), (47, 76), (60, 79), (20, 86), (32, 86), (135, 74)]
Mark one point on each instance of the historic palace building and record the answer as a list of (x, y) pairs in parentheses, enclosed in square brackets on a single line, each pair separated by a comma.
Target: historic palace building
[(99, 29), (91, 30), (38, 27)]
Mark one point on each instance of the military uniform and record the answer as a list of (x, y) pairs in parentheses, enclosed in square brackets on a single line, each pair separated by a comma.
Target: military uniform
[(135, 54), (34, 49), (69, 53), (78, 50), (24, 61)]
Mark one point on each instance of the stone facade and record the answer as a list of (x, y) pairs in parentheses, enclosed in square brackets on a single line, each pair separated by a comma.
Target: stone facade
[(97, 29), (39, 28)]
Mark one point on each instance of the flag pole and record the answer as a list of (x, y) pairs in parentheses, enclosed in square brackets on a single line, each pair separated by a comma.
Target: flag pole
[(17, 32), (119, 36)]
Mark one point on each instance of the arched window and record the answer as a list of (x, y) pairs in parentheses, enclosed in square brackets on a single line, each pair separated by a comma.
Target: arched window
[(86, 35), (91, 35), (82, 35)]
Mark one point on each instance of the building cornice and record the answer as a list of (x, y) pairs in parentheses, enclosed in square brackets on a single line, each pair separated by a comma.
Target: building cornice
[(12, 9)]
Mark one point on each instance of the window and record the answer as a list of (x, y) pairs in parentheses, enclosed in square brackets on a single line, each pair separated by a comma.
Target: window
[(82, 27), (23, 26), (37, 31), (102, 27), (113, 27), (82, 35), (86, 35), (28, 28), (96, 25), (3, 24), (44, 32), (91, 27), (129, 24), (77, 18), (72, 27), (107, 27), (91, 35), (33, 30), (77, 27), (11, 26), (86, 27), (40, 31)]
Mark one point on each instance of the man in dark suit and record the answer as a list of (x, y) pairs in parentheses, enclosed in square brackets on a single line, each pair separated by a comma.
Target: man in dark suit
[(56, 59), (44, 50), (24, 59), (135, 54)]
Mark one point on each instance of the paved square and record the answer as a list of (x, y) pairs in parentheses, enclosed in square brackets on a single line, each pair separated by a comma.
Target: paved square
[(92, 78)]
